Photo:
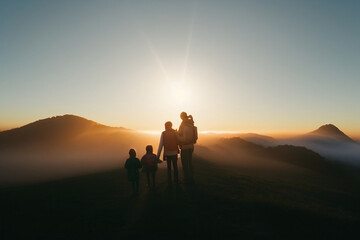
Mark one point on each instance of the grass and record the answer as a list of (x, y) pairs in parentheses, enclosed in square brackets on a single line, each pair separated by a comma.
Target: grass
[(226, 202)]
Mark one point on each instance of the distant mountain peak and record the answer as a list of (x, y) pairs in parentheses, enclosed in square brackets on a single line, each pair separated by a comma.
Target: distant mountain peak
[(330, 130), (67, 120), (53, 130), (67, 116)]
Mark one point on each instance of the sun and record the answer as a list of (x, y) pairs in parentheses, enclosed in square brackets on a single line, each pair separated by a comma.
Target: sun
[(179, 93)]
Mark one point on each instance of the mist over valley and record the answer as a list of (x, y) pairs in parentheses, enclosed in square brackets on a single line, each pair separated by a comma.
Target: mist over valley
[(69, 145)]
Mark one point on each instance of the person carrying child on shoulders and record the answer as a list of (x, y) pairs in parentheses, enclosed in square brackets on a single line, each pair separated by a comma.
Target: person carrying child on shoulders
[(187, 137)]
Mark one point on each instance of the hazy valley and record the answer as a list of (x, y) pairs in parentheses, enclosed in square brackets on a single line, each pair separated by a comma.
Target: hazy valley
[(70, 145), (64, 177)]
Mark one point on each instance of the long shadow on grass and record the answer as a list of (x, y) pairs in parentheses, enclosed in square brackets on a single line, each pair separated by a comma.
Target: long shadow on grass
[(100, 206)]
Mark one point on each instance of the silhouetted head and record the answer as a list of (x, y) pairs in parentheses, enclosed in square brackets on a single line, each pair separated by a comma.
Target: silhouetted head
[(168, 125), (132, 153), (183, 115), (149, 149), (186, 117)]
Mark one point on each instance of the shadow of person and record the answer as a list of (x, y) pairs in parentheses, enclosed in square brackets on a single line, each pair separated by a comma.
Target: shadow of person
[(179, 192), (174, 192)]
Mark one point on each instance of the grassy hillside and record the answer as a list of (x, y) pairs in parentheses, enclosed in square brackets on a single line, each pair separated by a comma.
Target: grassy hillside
[(227, 201)]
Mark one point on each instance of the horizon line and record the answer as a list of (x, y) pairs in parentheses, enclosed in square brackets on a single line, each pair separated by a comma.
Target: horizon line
[(353, 134)]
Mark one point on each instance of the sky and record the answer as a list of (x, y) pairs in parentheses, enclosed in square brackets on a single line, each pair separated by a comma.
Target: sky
[(248, 66)]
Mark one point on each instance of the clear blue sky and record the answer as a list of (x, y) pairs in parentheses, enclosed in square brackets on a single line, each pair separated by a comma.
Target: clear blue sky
[(260, 66)]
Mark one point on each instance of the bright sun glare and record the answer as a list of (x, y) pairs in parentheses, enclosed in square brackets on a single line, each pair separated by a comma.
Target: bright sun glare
[(180, 93)]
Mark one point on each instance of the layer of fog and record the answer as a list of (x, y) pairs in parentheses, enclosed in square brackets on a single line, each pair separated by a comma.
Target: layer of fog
[(100, 151), (87, 153), (97, 151), (332, 149)]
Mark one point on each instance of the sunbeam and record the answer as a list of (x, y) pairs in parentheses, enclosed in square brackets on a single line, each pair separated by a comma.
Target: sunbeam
[(187, 52), (155, 54)]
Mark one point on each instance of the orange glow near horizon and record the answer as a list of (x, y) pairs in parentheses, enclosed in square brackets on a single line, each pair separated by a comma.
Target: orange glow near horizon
[(176, 122), (138, 65), (236, 133)]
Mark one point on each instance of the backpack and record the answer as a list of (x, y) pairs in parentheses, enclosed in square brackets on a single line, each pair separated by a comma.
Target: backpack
[(194, 138), (195, 134), (170, 140)]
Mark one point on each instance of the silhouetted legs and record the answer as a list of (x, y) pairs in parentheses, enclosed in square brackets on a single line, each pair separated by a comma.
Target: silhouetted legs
[(152, 173), (186, 161), (172, 159), (135, 185)]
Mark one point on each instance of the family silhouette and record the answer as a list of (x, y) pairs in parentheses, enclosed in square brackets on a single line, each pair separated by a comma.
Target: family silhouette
[(173, 142)]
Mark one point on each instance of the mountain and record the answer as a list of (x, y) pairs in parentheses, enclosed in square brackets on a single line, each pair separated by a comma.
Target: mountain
[(242, 151), (330, 142), (49, 131), (70, 144), (259, 139), (328, 136), (65, 146), (330, 131)]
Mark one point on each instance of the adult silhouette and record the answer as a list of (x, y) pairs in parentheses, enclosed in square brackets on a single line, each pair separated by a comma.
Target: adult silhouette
[(186, 136), (169, 142)]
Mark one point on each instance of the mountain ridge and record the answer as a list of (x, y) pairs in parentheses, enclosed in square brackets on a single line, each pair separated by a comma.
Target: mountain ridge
[(238, 148), (52, 130)]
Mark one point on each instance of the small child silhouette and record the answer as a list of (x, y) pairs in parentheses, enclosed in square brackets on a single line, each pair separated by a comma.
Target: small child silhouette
[(132, 165), (150, 161)]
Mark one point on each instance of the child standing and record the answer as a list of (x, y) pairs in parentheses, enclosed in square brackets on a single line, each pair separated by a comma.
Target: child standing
[(133, 164), (150, 161)]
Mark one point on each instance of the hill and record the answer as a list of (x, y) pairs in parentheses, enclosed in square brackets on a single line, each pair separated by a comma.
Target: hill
[(64, 146), (330, 131), (330, 142), (238, 150), (259, 139), (68, 145), (327, 135), (50, 131), (242, 189), (227, 202)]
